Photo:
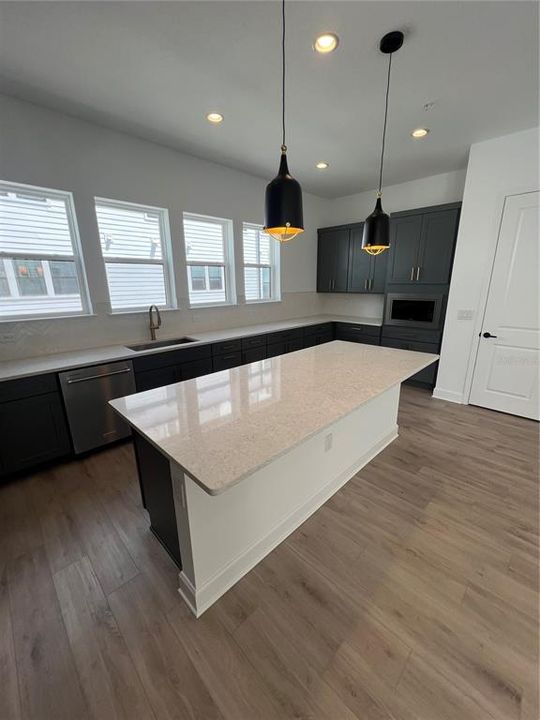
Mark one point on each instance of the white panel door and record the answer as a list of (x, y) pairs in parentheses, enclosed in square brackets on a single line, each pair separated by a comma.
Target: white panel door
[(507, 365)]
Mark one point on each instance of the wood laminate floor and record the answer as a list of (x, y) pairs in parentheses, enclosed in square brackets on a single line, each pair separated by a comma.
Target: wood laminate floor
[(411, 595)]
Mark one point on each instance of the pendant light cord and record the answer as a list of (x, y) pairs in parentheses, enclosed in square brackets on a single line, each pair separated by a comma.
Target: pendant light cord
[(283, 74), (384, 125)]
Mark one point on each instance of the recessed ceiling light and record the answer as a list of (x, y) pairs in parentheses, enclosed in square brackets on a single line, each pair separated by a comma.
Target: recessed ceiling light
[(420, 132), (214, 117), (326, 43), (322, 165)]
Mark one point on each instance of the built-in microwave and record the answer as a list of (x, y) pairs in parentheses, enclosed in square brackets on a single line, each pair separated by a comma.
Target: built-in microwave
[(413, 310)]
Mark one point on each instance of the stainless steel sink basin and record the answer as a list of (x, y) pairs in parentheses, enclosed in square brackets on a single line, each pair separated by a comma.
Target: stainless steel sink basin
[(160, 343)]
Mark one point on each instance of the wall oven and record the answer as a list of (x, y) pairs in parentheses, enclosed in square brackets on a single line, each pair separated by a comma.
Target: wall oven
[(419, 311)]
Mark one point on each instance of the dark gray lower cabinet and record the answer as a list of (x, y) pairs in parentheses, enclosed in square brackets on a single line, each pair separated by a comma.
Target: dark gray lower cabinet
[(157, 495), (33, 430), (229, 360), (318, 334), (369, 334), (158, 377), (428, 375), (253, 355)]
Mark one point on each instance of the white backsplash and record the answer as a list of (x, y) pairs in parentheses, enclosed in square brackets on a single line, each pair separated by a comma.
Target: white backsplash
[(351, 304)]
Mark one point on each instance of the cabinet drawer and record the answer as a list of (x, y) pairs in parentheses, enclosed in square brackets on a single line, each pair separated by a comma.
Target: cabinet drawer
[(227, 346), (172, 357), (284, 335), (230, 360), (410, 345), (27, 387), (345, 331), (254, 341), (413, 334), (326, 328), (253, 355)]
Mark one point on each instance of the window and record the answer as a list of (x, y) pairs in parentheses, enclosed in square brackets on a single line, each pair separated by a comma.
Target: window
[(209, 259), (41, 269), (135, 244), (261, 265)]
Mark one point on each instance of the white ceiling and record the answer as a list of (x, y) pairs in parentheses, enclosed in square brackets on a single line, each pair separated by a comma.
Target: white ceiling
[(155, 69)]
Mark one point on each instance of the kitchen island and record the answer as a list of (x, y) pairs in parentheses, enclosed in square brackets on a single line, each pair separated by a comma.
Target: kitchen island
[(232, 462)]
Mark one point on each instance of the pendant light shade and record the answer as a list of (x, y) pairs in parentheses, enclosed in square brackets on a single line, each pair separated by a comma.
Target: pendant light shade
[(283, 214), (283, 204), (376, 236)]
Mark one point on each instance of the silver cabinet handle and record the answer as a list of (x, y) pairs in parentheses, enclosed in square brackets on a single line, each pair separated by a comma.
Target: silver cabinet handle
[(98, 377), (412, 273), (365, 284), (370, 287), (418, 273)]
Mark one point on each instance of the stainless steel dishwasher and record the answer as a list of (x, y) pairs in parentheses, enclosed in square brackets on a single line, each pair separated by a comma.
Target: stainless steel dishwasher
[(86, 392)]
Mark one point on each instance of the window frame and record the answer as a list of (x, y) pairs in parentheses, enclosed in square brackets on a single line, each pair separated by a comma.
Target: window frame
[(166, 254), (274, 266), (77, 255), (227, 265)]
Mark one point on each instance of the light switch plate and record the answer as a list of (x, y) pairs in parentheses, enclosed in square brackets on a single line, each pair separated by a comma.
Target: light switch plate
[(465, 315)]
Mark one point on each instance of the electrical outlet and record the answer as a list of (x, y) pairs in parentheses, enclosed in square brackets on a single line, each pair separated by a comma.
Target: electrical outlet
[(328, 442)]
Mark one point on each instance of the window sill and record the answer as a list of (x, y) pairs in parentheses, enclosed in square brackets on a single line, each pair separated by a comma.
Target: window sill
[(213, 305), (139, 311), (35, 318), (263, 302)]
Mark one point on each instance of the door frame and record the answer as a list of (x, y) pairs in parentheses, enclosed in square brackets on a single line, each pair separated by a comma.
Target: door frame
[(484, 295)]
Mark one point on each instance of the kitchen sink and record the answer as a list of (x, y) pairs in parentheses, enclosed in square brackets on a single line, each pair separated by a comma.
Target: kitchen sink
[(160, 343)]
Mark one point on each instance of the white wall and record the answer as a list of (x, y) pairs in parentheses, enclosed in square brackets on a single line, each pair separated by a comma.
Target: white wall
[(503, 166), (41, 147), (434, 190)]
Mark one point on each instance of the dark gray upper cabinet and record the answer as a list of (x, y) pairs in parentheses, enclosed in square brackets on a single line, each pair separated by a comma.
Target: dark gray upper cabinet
[(405, 235), (333, 260), (422, 245), (342, 265), (439, 230)]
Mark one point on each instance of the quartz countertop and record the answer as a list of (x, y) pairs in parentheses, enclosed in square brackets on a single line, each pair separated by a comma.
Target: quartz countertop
[(25, 367), (221, 428)]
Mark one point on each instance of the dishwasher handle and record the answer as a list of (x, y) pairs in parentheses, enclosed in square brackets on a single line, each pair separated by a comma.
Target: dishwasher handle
[(98, 377)]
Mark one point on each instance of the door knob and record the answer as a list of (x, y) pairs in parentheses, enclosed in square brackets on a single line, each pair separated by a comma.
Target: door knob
[(489, 335)]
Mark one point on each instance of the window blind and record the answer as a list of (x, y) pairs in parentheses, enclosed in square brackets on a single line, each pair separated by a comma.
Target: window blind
[(133, 244), (207, 242), (261, 264), (40, 265)]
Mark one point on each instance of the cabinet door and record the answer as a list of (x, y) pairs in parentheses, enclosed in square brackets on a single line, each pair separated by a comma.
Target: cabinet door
[(325, 262), (437, 246), (341, 260), (361, 264), (33, 430), (195, 369), (333, 260), (378, 273), (405, 235), (230, 360), (249, 356), (158, 377)]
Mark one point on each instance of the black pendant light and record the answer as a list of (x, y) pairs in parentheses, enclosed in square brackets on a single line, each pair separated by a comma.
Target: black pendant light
[(283, 216), (376, 237)]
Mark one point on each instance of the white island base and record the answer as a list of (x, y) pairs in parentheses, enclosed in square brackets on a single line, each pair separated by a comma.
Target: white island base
[(224, 536), (232, 462)]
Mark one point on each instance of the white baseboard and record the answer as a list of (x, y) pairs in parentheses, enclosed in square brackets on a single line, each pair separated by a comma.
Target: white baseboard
[(202, 598), (449, 395)]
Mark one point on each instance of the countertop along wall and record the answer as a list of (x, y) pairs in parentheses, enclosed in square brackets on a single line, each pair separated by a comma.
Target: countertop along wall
[(42, 147)]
